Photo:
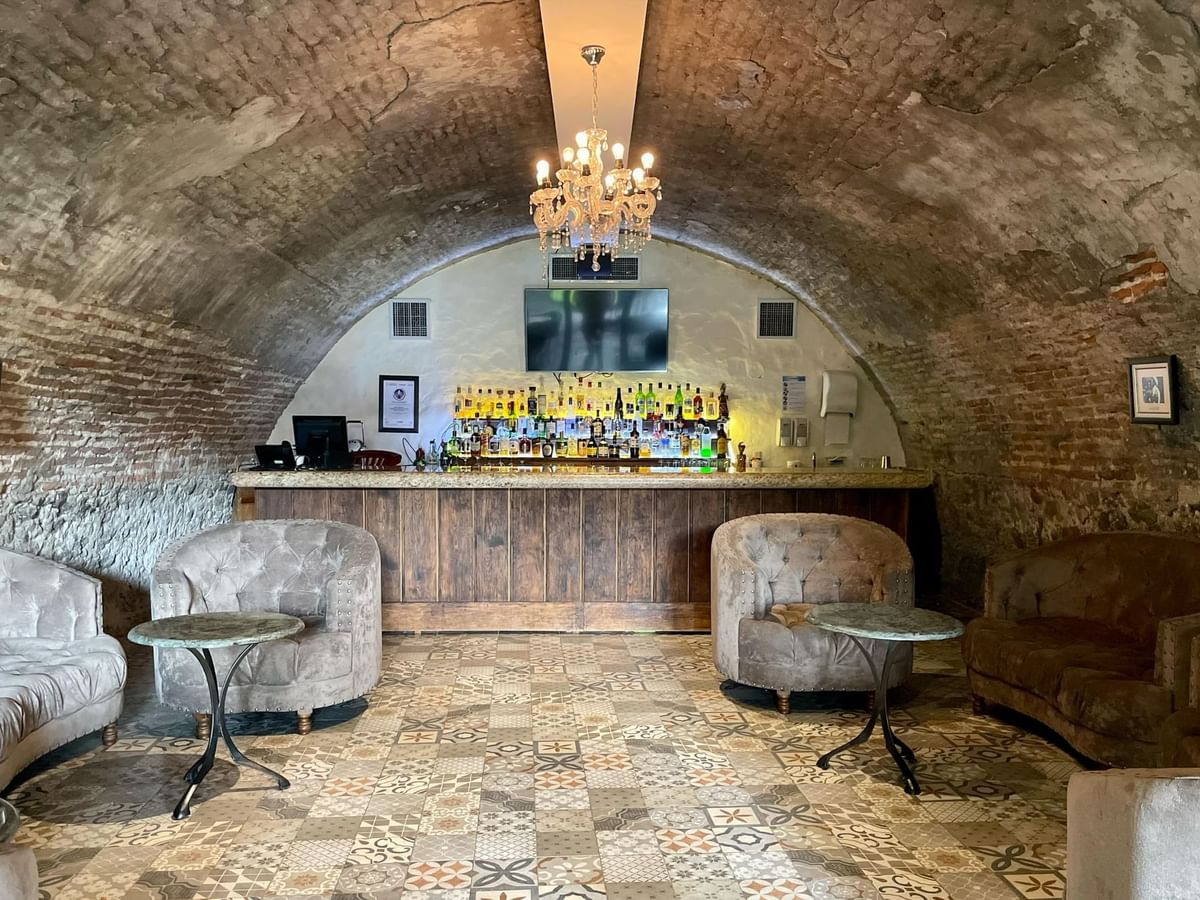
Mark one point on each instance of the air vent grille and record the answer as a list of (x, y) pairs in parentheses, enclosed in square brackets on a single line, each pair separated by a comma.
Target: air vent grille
[(568, 268), (776, 318), (410, 318)]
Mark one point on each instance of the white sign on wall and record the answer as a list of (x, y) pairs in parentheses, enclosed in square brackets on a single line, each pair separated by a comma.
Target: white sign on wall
[(794, 394)]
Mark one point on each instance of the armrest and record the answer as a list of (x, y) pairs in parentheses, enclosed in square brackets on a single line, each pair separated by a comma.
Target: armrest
[(358, 578), (1177, 658), (738, 590)]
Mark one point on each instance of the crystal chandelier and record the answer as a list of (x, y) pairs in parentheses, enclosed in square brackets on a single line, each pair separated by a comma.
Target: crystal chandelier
[(590, 209)]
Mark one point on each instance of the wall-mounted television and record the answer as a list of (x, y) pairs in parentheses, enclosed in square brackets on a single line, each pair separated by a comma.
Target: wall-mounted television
[(595, 330)]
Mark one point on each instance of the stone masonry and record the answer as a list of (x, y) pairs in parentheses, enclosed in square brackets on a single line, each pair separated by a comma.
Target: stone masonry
[(200, 198)]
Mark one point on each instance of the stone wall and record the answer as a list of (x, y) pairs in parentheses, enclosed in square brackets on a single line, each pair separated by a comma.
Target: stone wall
[(200, 199)]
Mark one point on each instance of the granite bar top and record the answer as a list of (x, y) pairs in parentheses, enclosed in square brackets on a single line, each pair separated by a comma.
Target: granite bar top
[(541, 477)]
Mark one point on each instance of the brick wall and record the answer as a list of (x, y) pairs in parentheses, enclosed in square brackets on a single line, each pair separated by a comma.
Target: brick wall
[(199, 199)]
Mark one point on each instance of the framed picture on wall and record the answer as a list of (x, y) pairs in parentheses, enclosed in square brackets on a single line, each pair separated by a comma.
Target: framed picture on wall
[(1153, 391), (399, 403)]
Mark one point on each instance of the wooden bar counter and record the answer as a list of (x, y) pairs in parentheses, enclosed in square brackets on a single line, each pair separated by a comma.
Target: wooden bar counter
[(545, 549)]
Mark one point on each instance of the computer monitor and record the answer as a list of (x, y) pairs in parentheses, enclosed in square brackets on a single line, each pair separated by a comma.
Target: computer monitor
[(322, 441)]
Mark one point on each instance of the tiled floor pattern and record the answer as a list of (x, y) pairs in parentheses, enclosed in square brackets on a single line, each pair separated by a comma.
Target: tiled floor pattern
[(557, 767)]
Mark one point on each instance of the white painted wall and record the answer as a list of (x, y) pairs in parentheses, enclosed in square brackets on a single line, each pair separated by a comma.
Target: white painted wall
[(476, 312)]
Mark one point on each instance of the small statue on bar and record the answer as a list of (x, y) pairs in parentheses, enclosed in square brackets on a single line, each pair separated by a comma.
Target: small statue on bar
[(741, 457), (723, 405)]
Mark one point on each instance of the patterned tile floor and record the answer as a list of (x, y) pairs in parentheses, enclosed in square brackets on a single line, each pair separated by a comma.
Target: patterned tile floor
[(559, 767)]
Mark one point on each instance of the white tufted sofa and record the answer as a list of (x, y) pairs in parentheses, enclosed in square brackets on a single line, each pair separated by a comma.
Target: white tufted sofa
[(769, 570), (326, 573), (61, 677)]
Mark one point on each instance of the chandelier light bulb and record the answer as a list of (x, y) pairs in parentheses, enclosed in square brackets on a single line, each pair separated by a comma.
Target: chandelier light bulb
[(543, 170), (581, 139), (639, 175), (647, 160), (584, 155), (609, 180), (568, 155), (618, 151)]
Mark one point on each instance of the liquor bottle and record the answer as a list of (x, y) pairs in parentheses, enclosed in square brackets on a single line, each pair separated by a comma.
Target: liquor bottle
[(531, 405), (476, 443), (511, 405), (658, 412), (705, 442), (589, 399), (619, 409), (698, 404), (522, 405), (541, 395), (579, 402), (458, 402), (630, 405), (678, 402), (551, 405), (723, 405), (524, 445), (669, 403), (639, 401), (597, 428), (685, 444), (651, 399), (570, 406), (489, 405), (687, 403), (722, 442), (710, 407)]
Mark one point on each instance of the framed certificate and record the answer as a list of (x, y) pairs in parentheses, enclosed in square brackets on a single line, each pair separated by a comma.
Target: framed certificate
[(399, 403), (1153, 391)]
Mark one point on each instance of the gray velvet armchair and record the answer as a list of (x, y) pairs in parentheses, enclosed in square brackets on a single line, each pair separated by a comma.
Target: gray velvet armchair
[(326, 573), (769, 570)]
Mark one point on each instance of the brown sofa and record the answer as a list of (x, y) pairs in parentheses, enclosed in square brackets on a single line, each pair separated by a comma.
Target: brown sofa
[(1098, 637)]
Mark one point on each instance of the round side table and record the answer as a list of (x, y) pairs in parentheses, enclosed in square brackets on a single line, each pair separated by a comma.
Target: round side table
[(198, 634), (894, 625)]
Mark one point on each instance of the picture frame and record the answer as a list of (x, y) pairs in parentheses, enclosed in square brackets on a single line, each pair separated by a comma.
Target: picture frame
[(1154, 390), (399, 404)]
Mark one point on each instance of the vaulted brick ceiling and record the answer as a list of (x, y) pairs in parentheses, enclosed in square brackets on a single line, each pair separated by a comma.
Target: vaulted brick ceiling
[(205, 195)]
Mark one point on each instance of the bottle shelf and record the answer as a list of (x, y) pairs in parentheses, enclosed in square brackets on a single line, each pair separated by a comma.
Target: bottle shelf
[(645, 461)]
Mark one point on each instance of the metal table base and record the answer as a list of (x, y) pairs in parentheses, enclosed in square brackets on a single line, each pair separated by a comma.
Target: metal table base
[(195, 775), (899, 750)]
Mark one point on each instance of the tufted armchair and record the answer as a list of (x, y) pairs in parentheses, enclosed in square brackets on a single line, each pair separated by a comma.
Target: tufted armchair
[(769, 570), (325, 573), (61, 676)]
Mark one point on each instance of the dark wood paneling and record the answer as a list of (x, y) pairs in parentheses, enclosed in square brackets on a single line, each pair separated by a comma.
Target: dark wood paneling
[(599, 551), (742, 503), (706, 511), (645, 617), (243, 505), (671, 546), (564, 557), (310, 504), (635, 539), (514, 616), (456, 545), (420, 544), (346, 506), (816, 501), (383, 514), (273, 504), (853, 503), (491, 546), (890, 508), (527, 537), (781, 501)]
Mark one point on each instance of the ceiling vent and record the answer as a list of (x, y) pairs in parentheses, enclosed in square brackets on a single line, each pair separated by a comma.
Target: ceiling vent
[(776, 319), (410, 318), (569, 268)]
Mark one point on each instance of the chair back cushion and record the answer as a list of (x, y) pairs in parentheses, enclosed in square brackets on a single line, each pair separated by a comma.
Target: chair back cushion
[(1126, 580), (812, 558), (41, 598), (275, 566)]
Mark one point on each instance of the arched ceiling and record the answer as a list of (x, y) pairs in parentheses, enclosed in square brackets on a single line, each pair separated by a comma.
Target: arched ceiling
[(949, 185)]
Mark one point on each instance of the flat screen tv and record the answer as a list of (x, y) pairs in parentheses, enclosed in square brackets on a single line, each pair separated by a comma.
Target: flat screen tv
[(595, 330)]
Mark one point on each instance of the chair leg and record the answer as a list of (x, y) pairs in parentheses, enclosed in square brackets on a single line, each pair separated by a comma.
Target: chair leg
[(203, 725), (303, 721), (783, 702), (108, 736), (979, 706)]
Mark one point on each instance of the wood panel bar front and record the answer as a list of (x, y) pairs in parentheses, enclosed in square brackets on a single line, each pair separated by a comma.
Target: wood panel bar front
[(545, 558)]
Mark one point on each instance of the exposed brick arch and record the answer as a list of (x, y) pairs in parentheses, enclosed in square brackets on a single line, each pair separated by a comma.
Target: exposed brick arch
[(199, 199)]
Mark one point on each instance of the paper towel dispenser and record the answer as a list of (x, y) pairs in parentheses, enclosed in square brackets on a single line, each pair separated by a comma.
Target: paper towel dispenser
[(839, 392)]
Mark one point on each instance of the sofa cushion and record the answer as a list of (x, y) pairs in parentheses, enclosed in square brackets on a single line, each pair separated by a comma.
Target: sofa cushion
[(311, 655), (1111, 703), (43, 679), (1032, 654)]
